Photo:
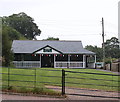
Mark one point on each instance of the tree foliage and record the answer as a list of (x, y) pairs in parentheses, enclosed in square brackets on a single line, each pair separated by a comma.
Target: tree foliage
[(11, 32), (97, 50), (51, 38), (8, 35), (23, 24), (16, 27), (112, 50), (7, 54)]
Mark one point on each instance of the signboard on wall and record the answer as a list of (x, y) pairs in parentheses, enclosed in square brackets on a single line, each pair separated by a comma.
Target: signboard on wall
[(47, 50)]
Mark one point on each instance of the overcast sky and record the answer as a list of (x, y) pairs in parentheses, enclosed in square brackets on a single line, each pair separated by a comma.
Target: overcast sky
[(69, 19)]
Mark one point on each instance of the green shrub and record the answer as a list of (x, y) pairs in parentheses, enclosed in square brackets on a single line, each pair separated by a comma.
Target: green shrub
[(23, 90), (10, 88), (38, 90)]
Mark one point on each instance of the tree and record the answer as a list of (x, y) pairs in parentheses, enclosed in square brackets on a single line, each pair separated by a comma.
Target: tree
[(8, 35), (7, 55), (23, 24), (16, 27), (112, 48), (12, 33), (96, 50), (51, 38), (112, 43)]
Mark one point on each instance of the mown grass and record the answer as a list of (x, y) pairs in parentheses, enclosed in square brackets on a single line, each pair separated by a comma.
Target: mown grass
[(54, 78)]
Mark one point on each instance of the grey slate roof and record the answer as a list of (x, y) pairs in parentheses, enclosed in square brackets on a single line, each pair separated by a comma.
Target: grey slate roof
[(66, 47)]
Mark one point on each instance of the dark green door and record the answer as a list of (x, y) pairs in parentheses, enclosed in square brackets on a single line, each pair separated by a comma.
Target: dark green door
[(47, 60)]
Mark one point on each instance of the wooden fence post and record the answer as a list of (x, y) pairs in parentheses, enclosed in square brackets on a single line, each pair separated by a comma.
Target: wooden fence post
[(118, 67), (63, 82), (110, 66)]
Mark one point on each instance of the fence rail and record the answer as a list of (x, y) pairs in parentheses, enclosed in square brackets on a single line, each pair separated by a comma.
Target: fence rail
[(27, 64), (35, 76), (57, 64), (68, 64)]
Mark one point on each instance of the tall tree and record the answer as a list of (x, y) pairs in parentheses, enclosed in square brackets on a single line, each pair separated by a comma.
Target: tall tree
[(23, 24), (112, 43), (112, 48), (7, 54), (12, 33), (8, 35)]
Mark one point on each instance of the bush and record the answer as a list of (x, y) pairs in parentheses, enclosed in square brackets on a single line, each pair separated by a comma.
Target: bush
[(109, 60), (38, 90), (10, 88), (23, 90)]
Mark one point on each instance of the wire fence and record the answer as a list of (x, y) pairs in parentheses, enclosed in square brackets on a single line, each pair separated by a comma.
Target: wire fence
[(28, 77), (37, 77)]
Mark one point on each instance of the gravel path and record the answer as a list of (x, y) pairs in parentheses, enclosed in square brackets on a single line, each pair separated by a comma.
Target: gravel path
[(108, 71), (84, 94)]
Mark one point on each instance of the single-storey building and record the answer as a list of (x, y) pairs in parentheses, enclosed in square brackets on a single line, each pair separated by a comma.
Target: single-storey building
[(55, 54)]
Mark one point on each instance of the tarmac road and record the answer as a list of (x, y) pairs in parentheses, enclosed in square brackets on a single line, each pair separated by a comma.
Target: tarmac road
[(18, 97), (70, 97)]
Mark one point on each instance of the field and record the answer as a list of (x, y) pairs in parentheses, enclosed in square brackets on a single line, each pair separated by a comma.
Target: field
[(39, 77)]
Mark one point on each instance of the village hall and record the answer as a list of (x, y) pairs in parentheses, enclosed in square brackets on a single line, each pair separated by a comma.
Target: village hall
[(51, 54)]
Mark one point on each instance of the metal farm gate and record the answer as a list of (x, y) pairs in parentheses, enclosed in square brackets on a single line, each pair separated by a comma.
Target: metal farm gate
[(87, 84)]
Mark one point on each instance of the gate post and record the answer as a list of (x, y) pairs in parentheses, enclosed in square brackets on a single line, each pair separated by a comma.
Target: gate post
[(63, 82)]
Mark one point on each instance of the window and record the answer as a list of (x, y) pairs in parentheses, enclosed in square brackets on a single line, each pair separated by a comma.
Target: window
[(76, 57), (62, 57), (17, 57), (26, 57), (90, 59)]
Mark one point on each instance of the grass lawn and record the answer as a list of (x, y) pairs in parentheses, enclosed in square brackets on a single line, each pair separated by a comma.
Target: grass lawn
[(44, 76)]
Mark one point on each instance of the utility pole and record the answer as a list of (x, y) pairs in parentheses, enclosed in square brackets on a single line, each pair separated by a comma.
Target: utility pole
[(103, 45)]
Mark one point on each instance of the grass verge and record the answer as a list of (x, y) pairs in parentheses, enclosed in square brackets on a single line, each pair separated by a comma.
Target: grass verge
[(32, 91)]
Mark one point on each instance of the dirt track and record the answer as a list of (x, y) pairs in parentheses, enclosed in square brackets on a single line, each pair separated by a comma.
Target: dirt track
[(85, 94)]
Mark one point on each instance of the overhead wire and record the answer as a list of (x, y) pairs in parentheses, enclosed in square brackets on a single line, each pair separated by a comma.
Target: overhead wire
[(73, 26)]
